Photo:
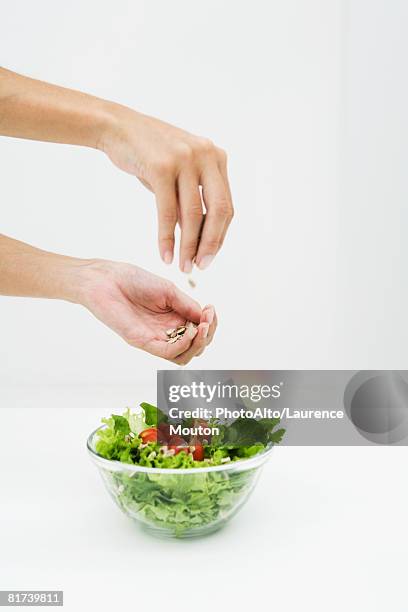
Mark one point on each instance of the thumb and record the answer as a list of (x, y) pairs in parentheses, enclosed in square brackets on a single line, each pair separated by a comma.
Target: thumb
[(185, 306)]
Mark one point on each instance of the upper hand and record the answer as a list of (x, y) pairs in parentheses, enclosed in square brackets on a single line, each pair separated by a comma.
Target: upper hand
[(185, 172)]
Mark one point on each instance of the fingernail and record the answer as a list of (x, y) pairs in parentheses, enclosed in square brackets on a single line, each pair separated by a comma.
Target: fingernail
[(191, 330), (188, 267), (205, 262), (205, 330), (210, 316), (168, 257)]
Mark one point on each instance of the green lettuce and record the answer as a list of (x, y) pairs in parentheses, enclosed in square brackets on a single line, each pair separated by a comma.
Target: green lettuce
[(181, 503)]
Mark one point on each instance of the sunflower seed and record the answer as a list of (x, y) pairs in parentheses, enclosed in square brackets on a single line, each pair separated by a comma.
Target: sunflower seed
[(192, 283), (178, 332)]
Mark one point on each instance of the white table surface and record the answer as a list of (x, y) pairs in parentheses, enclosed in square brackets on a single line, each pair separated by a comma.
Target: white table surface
[(325, 529)]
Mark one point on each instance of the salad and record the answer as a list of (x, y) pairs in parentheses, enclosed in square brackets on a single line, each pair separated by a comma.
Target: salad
[(145, 438), (180, 504)]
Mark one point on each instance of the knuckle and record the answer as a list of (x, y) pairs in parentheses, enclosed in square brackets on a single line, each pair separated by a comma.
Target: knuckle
[(205, 145), (166, 240), (184, 153), (189, 246), (223, 208), (163, 166), (212, 245), (222, 155), (168, 216), (194, 212)]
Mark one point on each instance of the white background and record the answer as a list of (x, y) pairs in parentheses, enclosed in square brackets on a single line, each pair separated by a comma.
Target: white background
[(325, 528), (309, 97)]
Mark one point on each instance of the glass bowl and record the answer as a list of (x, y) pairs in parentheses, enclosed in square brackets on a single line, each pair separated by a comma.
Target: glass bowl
[(179, 503)]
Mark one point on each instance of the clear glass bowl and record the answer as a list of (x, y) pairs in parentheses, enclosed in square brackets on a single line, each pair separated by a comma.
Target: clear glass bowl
[(179, 503)]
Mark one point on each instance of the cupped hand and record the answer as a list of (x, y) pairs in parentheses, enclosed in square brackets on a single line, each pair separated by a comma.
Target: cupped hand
[(188, 176), (140, 307)]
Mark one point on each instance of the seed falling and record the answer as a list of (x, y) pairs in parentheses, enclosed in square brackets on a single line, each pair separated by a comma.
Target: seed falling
[(192, 283)]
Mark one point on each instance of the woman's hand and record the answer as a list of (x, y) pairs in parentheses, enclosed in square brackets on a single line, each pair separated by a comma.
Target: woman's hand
[(185, 172), (137, 305), (140, 307)]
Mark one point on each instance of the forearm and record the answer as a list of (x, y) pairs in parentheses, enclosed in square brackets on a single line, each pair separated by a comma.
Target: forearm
[(186, 173), (30, 272), (40, 111)]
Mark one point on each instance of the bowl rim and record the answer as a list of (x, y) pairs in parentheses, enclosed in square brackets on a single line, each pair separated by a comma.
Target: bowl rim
[(117, 466)]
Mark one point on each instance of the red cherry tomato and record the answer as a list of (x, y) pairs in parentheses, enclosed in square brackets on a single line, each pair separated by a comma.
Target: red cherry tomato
[(152, 434), (148, 435), (178, 444), (198, 452), (196, 448)]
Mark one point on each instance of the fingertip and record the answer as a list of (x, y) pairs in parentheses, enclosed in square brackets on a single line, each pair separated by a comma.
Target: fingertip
[(204, 329), (166, 247), (205, 261), (208, 314), (193, 313), (187, 267), (168, 257)]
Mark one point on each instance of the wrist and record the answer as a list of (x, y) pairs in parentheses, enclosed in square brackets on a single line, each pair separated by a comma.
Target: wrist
[(75, 277), (85, 278), (109, 126), (114, 127)]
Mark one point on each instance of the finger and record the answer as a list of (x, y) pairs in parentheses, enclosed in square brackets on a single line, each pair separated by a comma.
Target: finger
[(219, 214), (197, 346), (213, 322), (191, 217), (184, 305), (172, 350), (210, 316), (222, 165), (207, 315), (166, 199)]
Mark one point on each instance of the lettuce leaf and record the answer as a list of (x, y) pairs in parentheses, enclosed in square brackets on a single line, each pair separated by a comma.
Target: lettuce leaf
[(153, 415)]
